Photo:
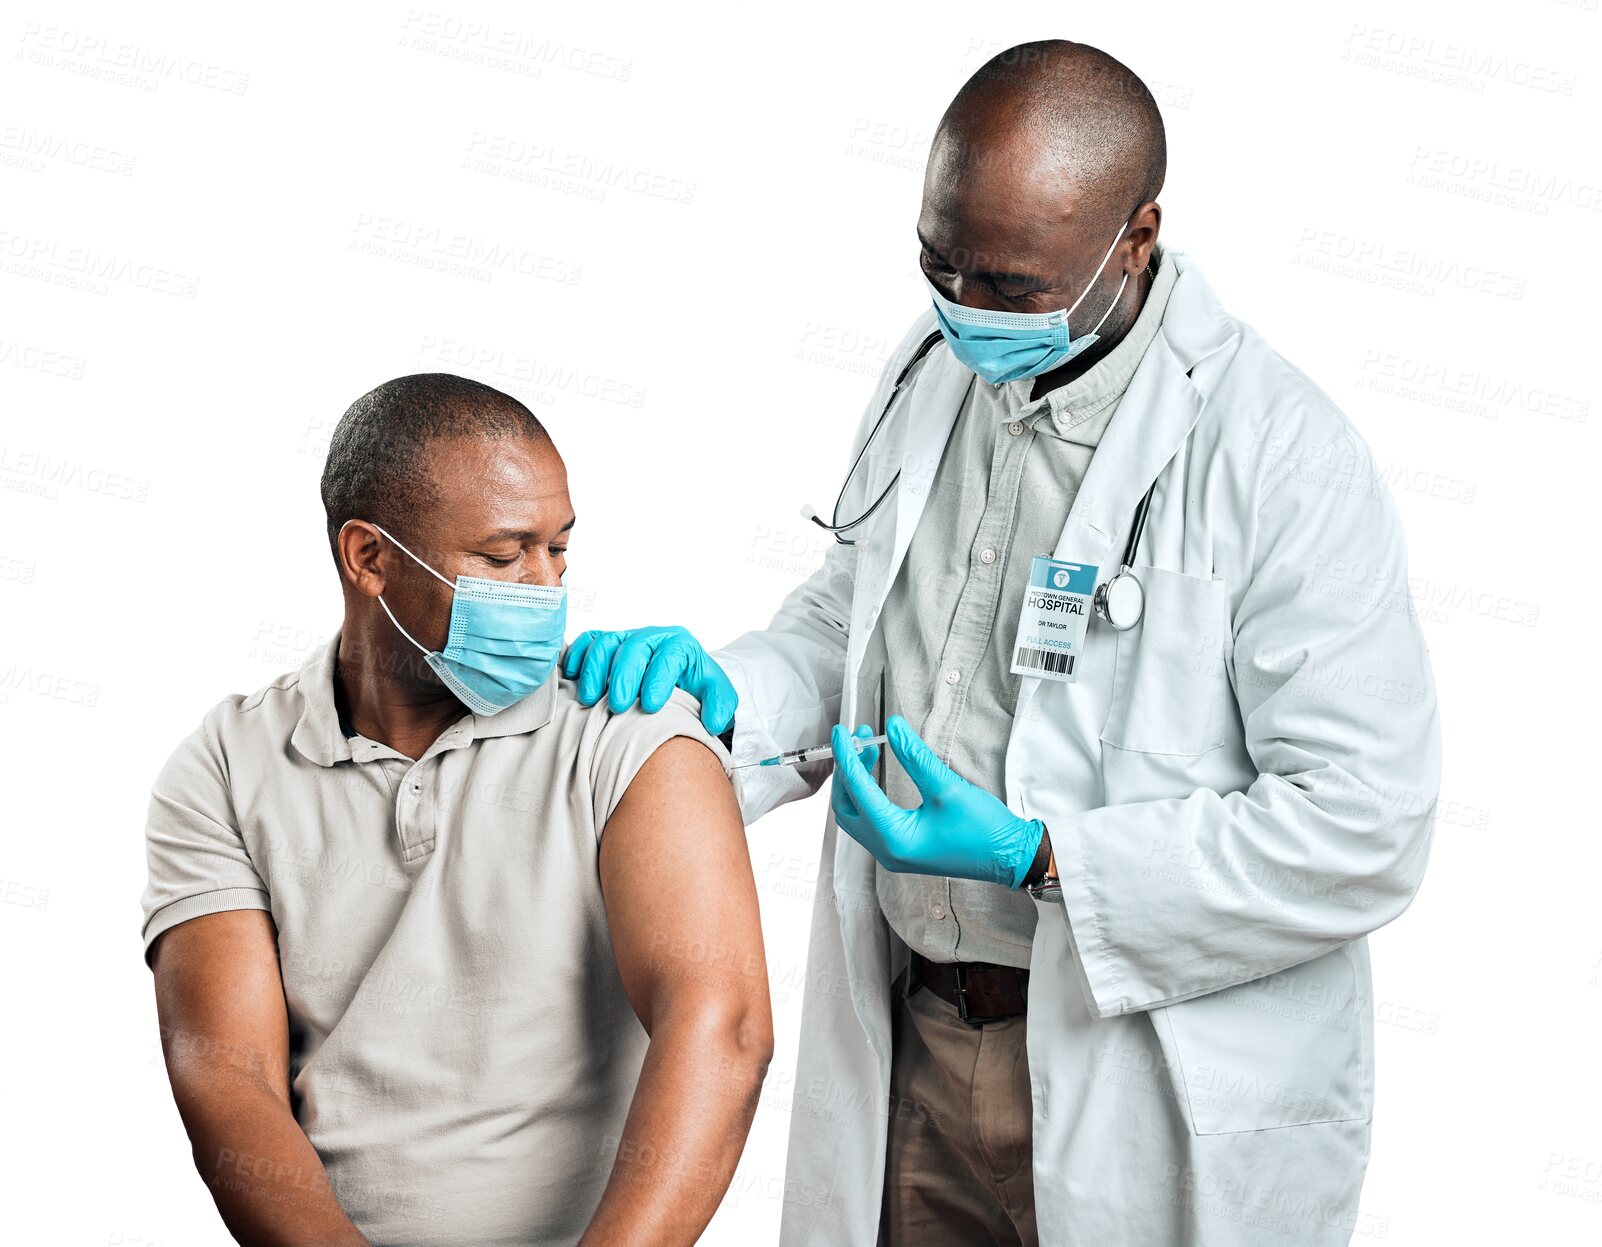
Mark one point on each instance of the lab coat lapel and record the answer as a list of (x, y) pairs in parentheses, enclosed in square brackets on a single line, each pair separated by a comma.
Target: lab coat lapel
[(933, 412), (1155, 415), (914, 439)]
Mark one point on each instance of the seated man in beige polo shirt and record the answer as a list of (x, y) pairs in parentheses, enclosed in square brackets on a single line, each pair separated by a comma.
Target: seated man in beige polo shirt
[(442, 956)]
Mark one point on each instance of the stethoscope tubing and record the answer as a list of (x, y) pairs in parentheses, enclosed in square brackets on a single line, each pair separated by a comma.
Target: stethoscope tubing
[(836, 528)]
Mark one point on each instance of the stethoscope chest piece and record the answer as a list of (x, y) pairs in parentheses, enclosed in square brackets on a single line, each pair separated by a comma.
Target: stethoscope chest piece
[(1121, 600)]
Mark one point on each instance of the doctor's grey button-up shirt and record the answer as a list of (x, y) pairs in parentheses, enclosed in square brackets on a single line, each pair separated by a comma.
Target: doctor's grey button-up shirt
[(1001, 495)]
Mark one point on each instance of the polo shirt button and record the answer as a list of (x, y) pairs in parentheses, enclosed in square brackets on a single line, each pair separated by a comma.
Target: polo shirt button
[(1015, 428), (939, 911), (953, 675), (987, 556)]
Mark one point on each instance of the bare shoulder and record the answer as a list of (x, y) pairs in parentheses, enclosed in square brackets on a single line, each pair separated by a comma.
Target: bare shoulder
[(684, 774), (610, 751), (677, 881), (672, 787)]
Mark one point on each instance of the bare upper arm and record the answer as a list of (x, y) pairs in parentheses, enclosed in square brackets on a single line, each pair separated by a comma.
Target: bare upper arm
[(680, 897), (220, 998)]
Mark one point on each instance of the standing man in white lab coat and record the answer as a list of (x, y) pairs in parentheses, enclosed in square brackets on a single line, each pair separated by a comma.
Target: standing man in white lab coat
[(1089, 965)]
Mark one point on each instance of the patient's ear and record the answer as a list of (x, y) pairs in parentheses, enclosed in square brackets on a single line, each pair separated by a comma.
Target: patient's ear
[(361, 557)]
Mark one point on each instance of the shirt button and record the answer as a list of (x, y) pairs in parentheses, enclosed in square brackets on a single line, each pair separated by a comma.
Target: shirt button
[(939, 911), (953, 675), (987, 556), (1015, 428)]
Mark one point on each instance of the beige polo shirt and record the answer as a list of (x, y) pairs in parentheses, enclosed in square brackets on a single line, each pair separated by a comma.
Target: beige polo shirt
[(462, 1054)]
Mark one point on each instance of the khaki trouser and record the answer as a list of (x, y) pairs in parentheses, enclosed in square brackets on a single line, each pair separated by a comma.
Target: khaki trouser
[(958, 1170)]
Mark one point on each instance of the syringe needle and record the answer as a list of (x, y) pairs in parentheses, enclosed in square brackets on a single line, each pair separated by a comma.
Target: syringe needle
[(816, 753)]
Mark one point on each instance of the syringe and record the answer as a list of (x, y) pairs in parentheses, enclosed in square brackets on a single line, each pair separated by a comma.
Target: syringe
[(796, 757)]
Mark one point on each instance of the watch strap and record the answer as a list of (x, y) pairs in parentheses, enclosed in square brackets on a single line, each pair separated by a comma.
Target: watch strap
[(1036, 874)]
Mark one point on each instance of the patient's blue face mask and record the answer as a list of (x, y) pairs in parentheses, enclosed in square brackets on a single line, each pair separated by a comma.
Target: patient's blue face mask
[(1009, 346), (504, 638)]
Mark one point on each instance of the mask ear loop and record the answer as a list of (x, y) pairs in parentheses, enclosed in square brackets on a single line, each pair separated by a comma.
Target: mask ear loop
[(385, 604), (431, 571), (397, 623), (1111, 305), (1118, 238)]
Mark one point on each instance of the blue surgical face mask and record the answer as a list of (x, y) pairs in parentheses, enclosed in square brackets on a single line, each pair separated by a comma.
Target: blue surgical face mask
[(1009, 346), (504, 638)]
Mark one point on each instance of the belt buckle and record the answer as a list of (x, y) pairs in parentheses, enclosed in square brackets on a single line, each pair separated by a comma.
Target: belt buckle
[(962, 996), (961, 968)]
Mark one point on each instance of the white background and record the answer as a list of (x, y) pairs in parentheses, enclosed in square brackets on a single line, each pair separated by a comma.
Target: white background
[(696, 240)]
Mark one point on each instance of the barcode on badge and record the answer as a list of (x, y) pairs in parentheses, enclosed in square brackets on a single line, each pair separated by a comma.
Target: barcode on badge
[(1044, 660)]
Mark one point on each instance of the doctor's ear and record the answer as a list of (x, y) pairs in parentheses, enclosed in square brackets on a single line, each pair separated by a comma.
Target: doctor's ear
[(359, 550), (1144, 227)]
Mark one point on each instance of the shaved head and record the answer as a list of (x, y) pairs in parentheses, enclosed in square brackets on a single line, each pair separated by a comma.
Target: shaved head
[(1040, 192), (1071, 113)]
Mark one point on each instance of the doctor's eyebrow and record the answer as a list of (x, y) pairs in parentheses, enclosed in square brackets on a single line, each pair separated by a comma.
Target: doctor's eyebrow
[(523, 534), (1006, 279)]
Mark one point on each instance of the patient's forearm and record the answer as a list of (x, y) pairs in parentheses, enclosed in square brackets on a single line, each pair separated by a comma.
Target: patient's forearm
[(225, 1035), (269, 1184), (686, 1127)]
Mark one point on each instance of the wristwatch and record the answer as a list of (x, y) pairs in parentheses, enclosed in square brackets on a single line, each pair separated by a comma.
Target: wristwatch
[(1041, 882)]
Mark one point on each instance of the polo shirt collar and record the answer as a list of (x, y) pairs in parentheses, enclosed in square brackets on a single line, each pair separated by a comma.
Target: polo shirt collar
[(319, 736), (528, 715)]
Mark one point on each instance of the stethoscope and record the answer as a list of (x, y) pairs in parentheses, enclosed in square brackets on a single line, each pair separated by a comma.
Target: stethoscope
[(835, 526), (1119, 602), (1122, 600)]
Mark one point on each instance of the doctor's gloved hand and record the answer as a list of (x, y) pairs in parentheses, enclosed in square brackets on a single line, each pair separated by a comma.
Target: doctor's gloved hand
[(645, 664), (959, 831)]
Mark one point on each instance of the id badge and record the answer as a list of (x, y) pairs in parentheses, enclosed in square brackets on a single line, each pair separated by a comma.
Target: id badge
[(1056, 612)]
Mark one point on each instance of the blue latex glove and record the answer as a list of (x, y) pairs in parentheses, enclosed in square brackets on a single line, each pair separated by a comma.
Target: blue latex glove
[(959, 831), (645, 664)]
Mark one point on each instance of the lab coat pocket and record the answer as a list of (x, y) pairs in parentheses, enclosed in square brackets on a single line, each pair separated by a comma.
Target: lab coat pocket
[(1291, 1049), (1171, 690)]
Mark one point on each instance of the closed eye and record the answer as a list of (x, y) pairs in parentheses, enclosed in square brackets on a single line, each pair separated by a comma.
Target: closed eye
[(1015, 293)]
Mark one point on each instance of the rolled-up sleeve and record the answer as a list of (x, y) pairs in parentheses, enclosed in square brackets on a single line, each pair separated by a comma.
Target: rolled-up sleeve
[(197, 860), (628, 739)]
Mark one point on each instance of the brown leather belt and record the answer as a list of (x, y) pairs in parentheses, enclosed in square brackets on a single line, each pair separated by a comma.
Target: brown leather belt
[(982, 992)]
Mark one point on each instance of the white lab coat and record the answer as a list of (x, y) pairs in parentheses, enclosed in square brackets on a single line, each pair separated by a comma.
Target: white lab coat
[(1238, 789)]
